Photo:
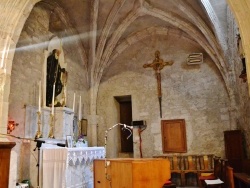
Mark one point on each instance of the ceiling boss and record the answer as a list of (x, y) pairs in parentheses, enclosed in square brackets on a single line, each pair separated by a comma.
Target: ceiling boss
[(158, 64)]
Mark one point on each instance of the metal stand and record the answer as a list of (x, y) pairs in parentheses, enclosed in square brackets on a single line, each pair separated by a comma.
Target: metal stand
[(38, 146)]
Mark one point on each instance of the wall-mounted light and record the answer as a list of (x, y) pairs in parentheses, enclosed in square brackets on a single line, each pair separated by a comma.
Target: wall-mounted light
[(195, 59), (11, 126)]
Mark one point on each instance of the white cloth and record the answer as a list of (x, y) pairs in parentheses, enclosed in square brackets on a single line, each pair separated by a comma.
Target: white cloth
[(80, 166), (213, 182), (69, 167), (54, 167)]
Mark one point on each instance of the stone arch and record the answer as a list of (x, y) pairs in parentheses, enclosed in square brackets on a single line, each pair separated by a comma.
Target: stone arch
[(124, 44), (203, 35), (11, 22), (13, 18), (132, 39), (186, 27)]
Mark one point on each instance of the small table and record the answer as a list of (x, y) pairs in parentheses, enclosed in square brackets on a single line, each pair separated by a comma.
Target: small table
[(242, 180)]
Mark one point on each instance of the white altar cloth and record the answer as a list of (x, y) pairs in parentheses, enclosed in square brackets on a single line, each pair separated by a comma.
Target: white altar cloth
[(69, 167)]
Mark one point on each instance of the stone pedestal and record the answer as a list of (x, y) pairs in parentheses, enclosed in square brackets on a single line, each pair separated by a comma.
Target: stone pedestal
[(63, 119)]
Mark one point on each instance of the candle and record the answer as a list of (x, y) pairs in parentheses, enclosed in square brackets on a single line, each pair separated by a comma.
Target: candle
[(39, 99), (80, 110), (74, 102), (53, 98)]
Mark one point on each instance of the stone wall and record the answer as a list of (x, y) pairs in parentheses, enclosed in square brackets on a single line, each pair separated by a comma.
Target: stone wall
[(27, 71), (235, 53), (194, 93), (188, 93)]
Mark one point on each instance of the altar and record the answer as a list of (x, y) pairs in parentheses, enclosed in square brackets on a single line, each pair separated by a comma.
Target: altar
[(60, 167), (68, 167)]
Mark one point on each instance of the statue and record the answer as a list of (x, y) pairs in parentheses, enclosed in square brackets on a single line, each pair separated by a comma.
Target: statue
[(54, 75)]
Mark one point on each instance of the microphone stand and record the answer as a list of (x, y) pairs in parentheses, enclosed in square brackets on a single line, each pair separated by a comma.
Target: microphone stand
[(38, 146)]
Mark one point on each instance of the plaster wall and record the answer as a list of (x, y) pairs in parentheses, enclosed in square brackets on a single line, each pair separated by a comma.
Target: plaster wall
[(188, 93)]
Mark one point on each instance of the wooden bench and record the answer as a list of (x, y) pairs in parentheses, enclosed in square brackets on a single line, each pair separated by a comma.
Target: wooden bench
[(185, 169)]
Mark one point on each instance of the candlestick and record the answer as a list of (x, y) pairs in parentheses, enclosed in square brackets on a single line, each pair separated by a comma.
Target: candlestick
[(38, 133), (39, 99), (80, 110), (74, 102), (52, 123), (53, 98), (65, 95)]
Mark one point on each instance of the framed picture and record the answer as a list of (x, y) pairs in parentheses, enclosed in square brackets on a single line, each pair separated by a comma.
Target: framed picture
[(69, 142), (84, 127), (174, 136)]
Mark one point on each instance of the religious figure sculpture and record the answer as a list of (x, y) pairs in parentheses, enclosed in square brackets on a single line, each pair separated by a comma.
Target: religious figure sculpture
[(54, 74), (158, 64)]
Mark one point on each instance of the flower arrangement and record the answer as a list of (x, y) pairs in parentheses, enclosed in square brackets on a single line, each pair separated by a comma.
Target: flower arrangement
[(81, 138)]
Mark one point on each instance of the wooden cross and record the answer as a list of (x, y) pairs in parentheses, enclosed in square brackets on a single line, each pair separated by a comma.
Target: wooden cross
[(158, 64)]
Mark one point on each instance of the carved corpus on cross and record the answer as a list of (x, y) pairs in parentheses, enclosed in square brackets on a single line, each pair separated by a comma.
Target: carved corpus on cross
[(158, 64)]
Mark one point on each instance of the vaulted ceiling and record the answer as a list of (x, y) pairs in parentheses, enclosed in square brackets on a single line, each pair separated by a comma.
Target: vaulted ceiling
[(106, 28)]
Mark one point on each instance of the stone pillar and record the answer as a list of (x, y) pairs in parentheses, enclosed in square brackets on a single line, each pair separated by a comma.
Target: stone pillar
[(93, 118), (92, 129)]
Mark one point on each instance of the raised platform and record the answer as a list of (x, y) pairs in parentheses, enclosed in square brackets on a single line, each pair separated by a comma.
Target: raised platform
[(131, 172)]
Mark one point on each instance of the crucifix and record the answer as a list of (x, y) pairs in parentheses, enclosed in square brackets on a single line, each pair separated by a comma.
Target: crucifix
[(158, 64)]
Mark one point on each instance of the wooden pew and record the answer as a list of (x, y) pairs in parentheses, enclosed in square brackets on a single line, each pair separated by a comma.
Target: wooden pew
[(242, 179), (185, 169), (246, 166)]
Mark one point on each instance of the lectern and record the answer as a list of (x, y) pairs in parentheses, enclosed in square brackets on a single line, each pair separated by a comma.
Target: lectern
[(5, 150), (131, 173)]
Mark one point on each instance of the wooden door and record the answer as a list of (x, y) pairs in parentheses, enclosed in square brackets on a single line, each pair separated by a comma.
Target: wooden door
[(174, 135), (126, 118)]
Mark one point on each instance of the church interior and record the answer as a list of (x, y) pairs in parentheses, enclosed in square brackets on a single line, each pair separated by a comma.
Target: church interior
[(136, 79)]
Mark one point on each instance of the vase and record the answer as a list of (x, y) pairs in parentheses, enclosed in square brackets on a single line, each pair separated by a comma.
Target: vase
[(81, 143)]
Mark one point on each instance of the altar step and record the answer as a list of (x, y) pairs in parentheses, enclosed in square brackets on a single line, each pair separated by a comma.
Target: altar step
[(126, 155)]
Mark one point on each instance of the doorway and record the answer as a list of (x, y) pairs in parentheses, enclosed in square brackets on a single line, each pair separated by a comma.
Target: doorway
[(125, 106)]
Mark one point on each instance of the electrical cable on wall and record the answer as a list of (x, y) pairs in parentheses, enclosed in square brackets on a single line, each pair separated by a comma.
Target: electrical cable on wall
[(19, 138), (39, 143), (140, 130)]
